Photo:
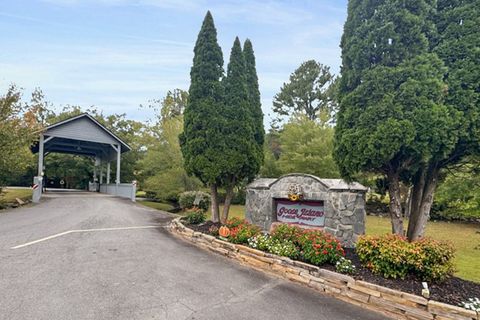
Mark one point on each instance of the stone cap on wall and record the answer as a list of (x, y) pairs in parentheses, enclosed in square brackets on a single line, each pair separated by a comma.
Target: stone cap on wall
[(330, 184), (262, 183)]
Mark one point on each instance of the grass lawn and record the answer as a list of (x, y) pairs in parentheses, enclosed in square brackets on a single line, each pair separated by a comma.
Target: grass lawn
[(9, 195), (141, 194), (156, 205), (237, 211)]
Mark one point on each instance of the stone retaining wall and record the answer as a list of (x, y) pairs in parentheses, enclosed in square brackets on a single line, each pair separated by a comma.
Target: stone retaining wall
[(392, 303)]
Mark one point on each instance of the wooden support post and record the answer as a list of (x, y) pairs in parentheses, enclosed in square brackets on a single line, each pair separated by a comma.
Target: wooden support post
[(40, 155), (119, 151), (108, 172)]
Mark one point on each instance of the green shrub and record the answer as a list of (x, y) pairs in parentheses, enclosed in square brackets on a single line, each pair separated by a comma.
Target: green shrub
[(436, 259), (235, 222), (386, 255), (394, 257), (319, 247), (190, 199), (345, 266), (286, 232), (241, 230), (195, 216)]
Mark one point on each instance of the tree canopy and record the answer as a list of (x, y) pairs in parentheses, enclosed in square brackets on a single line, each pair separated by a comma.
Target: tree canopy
[(394, 116), (309, 92), (17, 132)]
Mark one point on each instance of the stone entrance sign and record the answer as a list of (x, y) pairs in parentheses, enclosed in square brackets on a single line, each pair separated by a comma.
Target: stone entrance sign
[(304, 213), (333, 205)]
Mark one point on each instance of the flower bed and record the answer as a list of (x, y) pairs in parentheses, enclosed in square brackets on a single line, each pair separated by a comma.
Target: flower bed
[(452, 291)]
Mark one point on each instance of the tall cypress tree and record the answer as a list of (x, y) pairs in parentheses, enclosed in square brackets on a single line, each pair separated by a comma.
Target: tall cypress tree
[(241, 150), (201, 141), (255, 105)]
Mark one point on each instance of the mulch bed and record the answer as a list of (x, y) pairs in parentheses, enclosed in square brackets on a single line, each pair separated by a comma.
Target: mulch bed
[(453, 290)]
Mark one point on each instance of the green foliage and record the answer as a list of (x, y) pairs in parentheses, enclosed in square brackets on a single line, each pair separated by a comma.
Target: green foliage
[(458, 196), (253, 91), (161, 168), (382, 123), (76, 171), (306, 147), (242, 155), (319, 247), (394, 257), (457, 43), (287, 232), (192, 199), (195, 216), (16, 134), (272, 151), (241, 230), (308, 92), (201, 141), (345, 266), (403, 113)]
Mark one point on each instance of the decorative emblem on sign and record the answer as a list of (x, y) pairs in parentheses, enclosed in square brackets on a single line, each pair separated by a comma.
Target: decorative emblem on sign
[(295, 192)]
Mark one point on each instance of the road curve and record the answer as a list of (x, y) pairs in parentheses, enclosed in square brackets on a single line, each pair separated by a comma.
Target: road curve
[(120, 263)]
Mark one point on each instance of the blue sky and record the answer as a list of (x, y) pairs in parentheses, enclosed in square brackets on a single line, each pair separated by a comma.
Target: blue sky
[(118, 54)]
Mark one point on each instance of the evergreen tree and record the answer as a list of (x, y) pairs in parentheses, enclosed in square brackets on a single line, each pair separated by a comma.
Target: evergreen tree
[(392, 118), (242, 153), (309, 92), (202, 141), (254, 96)]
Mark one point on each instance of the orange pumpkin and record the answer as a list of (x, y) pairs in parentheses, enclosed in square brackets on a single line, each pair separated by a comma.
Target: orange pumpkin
[(224, 231)]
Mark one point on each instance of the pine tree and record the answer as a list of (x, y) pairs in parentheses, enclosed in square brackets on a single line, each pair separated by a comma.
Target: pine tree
[(241, 152), (201, 141)]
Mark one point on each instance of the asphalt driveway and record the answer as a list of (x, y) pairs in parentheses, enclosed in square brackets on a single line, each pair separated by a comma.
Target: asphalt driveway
[(93, 256)]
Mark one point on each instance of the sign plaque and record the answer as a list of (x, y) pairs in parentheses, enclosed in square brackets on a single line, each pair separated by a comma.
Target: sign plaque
[(305, 213)]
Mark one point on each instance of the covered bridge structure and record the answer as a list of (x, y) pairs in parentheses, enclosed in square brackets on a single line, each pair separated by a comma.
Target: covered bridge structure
[(84, 135)]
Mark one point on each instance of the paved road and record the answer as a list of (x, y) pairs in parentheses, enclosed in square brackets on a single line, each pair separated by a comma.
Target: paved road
[(133, 273)]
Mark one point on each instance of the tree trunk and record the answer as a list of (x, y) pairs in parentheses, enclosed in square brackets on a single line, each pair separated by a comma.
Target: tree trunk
[(424, 189), (228, 201), (215, 206), (395, 202), (408, 203)]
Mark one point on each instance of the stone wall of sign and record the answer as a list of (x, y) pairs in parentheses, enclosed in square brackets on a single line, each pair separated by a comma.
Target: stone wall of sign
[(342, 203)]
